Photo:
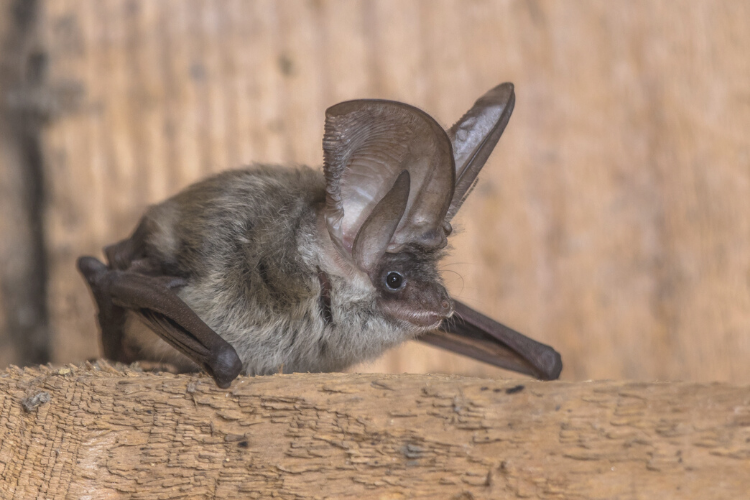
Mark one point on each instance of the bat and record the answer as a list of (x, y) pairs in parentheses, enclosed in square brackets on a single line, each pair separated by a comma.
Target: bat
[(269, 269)]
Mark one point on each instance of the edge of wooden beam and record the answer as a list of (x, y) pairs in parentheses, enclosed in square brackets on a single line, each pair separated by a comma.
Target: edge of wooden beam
[(110, 431)]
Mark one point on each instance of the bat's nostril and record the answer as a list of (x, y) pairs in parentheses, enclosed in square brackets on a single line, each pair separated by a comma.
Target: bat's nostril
[(446, 308)]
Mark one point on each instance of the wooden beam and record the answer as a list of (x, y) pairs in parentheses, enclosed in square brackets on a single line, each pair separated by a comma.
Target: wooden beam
[(100, 432)]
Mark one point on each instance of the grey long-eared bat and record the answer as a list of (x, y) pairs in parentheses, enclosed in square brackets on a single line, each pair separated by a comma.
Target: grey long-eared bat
[(270, 269)]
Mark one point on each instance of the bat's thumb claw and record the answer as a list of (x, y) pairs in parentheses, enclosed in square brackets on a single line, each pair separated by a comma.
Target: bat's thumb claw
[(551, 364), (90, 267)]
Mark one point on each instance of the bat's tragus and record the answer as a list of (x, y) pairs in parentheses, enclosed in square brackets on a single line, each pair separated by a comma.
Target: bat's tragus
[(261, 268)]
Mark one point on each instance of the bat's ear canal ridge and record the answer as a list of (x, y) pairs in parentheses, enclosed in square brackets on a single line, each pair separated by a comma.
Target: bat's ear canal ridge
[(475, 135), (375, 234)]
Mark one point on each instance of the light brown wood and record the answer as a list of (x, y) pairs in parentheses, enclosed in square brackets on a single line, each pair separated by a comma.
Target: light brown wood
[(611, 222), (97, 432)]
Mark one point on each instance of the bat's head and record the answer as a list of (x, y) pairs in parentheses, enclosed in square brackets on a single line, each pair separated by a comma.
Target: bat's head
[(394, 181)]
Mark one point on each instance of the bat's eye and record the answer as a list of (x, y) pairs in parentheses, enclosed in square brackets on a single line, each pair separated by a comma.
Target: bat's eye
[(394, 280)]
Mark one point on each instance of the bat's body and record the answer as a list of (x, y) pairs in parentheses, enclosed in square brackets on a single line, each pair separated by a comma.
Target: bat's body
[(264, 296), (269, 269)]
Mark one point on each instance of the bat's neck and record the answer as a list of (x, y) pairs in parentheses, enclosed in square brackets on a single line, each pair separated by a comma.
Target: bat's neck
[(332, 260)]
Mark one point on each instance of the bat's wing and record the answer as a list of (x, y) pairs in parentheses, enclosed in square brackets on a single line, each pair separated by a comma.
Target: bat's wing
[(475, 335), (468, 332), (153, 299)]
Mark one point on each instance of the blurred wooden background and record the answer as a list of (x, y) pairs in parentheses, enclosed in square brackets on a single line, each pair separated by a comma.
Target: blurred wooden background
[(612, 222)]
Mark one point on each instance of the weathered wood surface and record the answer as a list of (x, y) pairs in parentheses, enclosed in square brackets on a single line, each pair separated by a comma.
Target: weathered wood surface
[(104, 433), (611, 222)]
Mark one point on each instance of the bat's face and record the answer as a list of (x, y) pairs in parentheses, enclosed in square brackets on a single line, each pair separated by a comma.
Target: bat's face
[(410, 289)]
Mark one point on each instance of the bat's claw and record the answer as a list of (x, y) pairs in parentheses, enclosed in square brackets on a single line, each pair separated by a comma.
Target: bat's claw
[(224, 366), (90, 268), (551, 363)]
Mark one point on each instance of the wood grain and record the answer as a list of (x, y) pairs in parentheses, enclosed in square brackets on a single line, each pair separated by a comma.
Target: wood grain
[(611, 222), (98, 432)]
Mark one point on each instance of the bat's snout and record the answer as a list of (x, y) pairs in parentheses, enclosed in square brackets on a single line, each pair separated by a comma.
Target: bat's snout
[(437, 306)]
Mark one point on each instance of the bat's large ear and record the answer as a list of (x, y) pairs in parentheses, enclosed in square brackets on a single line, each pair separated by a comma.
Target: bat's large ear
[(474, 137), (367, 146)]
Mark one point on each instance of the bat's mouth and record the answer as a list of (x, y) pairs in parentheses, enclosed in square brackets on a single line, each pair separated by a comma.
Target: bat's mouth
[(427, 319)]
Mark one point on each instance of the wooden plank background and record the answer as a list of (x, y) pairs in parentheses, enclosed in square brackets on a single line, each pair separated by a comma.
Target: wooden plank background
[(23, 319), (611, 222)]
